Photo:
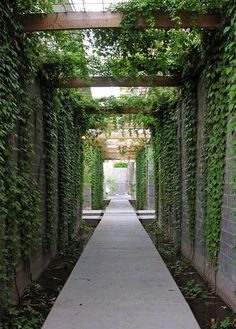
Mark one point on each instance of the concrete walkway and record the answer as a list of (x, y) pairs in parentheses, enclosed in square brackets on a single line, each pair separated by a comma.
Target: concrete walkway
[(120, 282)]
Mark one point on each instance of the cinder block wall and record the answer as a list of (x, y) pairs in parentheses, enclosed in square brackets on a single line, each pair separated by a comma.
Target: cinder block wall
[(225, 278)]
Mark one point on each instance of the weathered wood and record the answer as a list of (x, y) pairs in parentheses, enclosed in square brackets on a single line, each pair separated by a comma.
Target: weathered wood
[(119, 157), (102, 20), (128, 110), (159, 81), (125, 136)]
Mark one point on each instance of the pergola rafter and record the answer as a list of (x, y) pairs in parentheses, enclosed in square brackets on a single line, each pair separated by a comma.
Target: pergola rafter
[(140, 137), (119, 146), (158, 81), (103, 20), (125, 110)]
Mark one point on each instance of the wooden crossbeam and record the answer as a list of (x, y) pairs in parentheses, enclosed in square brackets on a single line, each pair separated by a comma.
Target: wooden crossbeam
[(126, 136), (119, 157), (128, 110), (118, 153), (159, 81), (102, 20), (127, 126), (114, 150)]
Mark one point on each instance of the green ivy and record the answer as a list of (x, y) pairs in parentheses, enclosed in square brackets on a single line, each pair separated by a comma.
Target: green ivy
[(220, 84), (190, 149), (166, 156), (141, 178), (19, 196), (70, 184), (93, 170), (50, 123)]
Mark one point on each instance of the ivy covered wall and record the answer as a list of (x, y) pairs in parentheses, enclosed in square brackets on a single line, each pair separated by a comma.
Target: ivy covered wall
[(141, 178), (20, 225), (41, 175), (166, 153), (198, 186), (93, 173)]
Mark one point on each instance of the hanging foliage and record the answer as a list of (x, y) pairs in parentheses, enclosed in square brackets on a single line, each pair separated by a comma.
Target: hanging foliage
[(220, 84), (19, 197), (141, 178), (70, 180), (167, 163), (93, 171), (190, 149)]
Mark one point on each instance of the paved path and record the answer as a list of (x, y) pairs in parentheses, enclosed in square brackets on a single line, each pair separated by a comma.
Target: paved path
[(120, 282)]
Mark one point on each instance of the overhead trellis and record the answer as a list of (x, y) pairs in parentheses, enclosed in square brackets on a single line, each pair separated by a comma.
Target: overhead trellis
[(103, 20)]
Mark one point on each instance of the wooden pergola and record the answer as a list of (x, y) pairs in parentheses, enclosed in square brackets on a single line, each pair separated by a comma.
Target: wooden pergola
[(103, 20), (158, 81), (124, 146)]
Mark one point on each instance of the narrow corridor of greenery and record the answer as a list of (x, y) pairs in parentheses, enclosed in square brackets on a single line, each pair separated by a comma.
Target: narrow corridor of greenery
[(41, 209)]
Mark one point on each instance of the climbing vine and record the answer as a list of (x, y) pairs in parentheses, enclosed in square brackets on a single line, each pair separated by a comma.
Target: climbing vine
[(141, 178), (167, 163), (220, 84), (70, 180), (19, 196), (50, 108), (190, 149), (22, 230), (133, 52), (93, 171)]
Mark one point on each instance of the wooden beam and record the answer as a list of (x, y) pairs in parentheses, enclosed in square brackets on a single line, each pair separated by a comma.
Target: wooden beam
[(127, 110), (128, 149), (126, 136), (127, 126), (103, 20), (159, 81), (127, 154), (118, 157)]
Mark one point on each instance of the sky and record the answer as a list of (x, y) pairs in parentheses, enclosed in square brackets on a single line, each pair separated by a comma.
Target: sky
[(93, 5)]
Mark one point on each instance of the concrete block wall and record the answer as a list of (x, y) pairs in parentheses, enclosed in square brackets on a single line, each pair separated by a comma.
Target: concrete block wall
[(226, 275), (224, 280)]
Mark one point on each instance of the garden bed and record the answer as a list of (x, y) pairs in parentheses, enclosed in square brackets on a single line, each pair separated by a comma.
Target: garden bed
[(40, 296), (208, 308)]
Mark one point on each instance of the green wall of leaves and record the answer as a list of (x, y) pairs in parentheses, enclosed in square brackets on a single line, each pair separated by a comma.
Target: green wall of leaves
[(19, 196), (93, 168), (166, 154), (220, 77), (22, 231), (141, 178)]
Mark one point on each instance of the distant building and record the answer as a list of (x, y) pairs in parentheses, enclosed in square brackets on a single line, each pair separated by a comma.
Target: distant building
[(134, 91)]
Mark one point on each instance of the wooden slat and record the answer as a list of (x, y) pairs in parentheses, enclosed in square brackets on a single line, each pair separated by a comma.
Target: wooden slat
[(118, 157), (159, 81), (113, 150), (102, 20), (127, 126), (125, 136), (130, 110)]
